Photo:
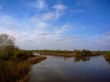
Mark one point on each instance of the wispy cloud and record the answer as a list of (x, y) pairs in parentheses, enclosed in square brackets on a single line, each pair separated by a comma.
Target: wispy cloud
[(53, 12), (39, 5), (59, 7)]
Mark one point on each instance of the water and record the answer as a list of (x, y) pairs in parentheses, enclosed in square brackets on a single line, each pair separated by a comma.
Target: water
[(59, 69)]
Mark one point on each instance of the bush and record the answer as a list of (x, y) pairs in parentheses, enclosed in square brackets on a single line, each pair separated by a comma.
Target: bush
[(22, 54)]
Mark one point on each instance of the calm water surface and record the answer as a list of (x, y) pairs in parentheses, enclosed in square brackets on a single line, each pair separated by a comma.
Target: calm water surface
[(59, 69)]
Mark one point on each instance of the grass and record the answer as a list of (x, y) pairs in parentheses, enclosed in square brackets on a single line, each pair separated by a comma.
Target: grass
[(15, 67), (11, 71)]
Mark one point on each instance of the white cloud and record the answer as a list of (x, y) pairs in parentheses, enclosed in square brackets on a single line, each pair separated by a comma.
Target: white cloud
[(63, 28), (43, 20), (47, 12), (59, 10), (48, 16), (56, 12), (40, 4), (59, 7)]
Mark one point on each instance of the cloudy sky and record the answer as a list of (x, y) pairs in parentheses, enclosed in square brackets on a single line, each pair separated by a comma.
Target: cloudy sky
[(57, 24)]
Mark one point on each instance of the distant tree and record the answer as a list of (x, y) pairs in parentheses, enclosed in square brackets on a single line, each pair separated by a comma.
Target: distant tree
[(7, 45), (6, 40)]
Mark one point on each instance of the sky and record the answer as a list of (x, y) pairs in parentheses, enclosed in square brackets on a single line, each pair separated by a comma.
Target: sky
[(57, 24)]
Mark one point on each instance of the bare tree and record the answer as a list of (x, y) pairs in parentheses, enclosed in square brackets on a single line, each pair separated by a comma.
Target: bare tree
[(7, 45), (6, 40)]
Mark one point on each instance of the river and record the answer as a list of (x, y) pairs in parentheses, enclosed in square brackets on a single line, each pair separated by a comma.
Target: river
[(60, 69)]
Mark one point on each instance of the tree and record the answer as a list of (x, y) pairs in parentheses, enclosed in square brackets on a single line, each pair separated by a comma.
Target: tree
[(6, 40), (7, 46)]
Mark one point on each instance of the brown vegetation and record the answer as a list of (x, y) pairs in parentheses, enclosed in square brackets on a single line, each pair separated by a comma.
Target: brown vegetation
[(36, 59)]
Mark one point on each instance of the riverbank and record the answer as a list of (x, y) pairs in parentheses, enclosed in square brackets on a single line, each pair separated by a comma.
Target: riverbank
[(31, 60), (15, 68)]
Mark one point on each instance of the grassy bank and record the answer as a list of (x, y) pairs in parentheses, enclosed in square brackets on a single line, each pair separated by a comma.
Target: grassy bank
[(16, 67), (65, 53)]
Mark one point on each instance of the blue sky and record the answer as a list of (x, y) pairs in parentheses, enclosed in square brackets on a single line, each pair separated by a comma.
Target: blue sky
[(57, 24)]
